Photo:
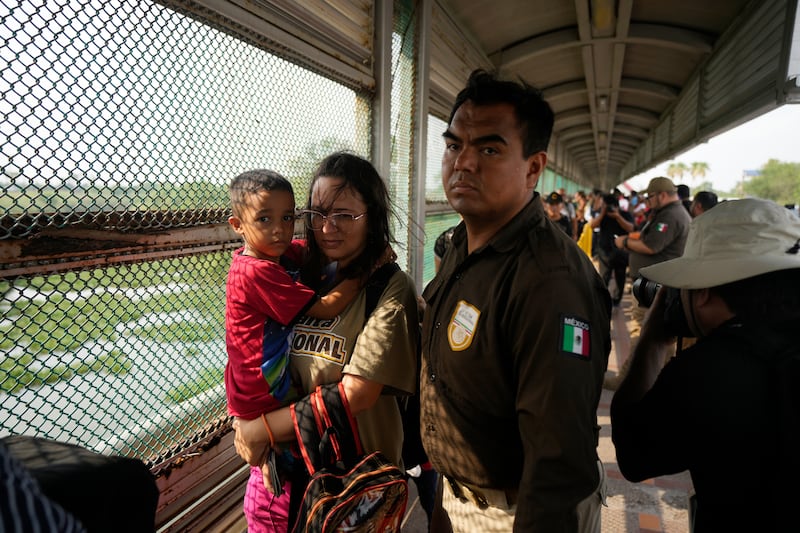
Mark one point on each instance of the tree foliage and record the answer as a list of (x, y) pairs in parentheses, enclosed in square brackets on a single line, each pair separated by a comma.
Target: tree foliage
[(778, 181), (302, 167), (677, 170), (699, 169), (704, 186)]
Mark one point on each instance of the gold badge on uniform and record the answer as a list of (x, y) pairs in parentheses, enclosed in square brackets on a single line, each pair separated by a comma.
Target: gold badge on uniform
[(462, 326)]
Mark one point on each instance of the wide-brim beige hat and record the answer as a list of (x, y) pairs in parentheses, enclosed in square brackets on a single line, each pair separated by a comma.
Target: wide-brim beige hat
[(734, 240)]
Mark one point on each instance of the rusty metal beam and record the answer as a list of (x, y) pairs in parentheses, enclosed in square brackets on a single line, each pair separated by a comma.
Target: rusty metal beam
[(75, 248)]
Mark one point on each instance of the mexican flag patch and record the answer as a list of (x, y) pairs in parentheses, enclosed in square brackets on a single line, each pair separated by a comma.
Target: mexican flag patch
[(661, 227), (575, 336)]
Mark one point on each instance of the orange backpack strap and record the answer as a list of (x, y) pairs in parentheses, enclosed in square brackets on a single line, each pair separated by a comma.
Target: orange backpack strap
[(325, 428)]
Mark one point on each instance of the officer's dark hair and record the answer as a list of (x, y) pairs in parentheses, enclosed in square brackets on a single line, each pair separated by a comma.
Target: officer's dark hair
[(683, 191), (763, 298), (254, 181), (534, 115)]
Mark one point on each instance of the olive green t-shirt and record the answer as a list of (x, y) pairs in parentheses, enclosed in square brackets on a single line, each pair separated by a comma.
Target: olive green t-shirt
[(383, 350)]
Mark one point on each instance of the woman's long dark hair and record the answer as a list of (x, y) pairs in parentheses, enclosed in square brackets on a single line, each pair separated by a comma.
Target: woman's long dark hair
[(359, 175)]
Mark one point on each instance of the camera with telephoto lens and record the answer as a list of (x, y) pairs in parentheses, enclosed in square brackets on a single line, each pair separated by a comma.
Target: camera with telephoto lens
[(611, 203), (675, 323), (645, 291)]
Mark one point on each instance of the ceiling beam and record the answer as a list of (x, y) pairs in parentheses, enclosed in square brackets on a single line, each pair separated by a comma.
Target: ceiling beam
[(648, 88), (635, 86), (564, 90), (638, 116), (575, 131), (582, 141), (659, 35), (664, 36), (630, 130), (571, 117)]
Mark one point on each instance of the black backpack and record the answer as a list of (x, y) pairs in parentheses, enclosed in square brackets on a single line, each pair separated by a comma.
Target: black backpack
[(348, 490)]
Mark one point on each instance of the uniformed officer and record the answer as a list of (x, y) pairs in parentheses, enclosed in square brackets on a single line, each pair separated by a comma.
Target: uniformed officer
[(515, 335)]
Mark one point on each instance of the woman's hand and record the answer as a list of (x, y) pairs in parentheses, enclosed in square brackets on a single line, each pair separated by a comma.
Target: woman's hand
[(250, 440)]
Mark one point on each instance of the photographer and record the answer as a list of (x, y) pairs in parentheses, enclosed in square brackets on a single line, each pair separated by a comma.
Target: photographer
[(728, 408), (612, 222)]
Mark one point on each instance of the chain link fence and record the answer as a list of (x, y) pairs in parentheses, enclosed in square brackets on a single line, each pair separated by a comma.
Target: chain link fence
[(121, 123)]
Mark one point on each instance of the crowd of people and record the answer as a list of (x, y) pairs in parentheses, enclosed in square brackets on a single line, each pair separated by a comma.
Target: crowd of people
[(629, 232), (617, 221), (573, 212), (514, 335)]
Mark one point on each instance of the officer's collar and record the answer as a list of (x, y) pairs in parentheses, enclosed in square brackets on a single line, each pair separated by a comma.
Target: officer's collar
[(508, 237)]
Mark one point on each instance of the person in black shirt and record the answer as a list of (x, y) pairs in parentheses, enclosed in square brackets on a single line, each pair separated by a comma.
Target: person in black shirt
[(612, 222), (703, 201), (685, 194), (726, 409), (23, 505), (441, 245)]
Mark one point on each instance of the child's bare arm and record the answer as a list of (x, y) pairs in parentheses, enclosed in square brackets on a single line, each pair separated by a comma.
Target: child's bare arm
[(333, 303)]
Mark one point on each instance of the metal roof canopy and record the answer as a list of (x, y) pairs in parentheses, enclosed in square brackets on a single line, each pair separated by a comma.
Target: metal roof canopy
[(632, 82)]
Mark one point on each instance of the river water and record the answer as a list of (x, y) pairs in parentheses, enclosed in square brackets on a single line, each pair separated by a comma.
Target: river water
[(129, 413)]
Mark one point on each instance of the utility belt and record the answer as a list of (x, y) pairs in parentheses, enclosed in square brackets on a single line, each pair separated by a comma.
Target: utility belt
[(483, 497)]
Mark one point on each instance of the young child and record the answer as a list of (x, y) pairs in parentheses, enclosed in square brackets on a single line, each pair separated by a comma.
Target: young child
[(263, 296)]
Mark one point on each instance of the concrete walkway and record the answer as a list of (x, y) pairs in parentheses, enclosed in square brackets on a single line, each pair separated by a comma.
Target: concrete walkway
[(655, 505)]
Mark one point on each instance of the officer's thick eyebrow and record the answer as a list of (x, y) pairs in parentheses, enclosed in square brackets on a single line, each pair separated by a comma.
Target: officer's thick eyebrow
[(491, 138)]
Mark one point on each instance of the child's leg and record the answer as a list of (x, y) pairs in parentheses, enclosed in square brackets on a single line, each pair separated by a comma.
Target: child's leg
[(265, 513)]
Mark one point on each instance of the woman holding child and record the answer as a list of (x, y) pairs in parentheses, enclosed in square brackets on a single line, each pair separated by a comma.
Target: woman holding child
[(374, 357)]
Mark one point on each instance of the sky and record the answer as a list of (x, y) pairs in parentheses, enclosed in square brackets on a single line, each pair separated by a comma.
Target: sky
[(774, 135)]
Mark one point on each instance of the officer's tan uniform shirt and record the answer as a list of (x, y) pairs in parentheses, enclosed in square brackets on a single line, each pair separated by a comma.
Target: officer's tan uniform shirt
[(665, 235)]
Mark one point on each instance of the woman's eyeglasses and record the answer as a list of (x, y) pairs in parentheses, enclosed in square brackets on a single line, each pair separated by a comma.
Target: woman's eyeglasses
[(344, 222)]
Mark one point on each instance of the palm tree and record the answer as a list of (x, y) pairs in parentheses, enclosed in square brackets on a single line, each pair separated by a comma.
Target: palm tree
[(699, 170), (677, 170)]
